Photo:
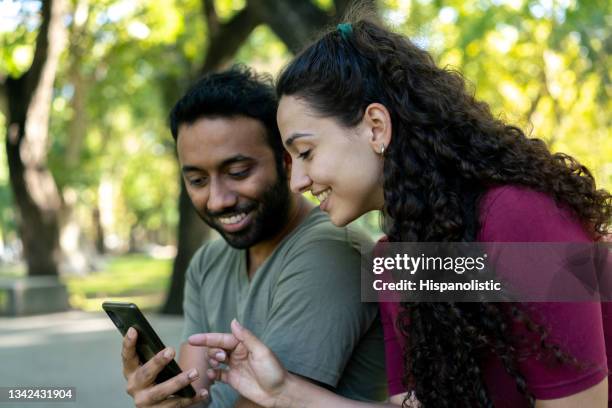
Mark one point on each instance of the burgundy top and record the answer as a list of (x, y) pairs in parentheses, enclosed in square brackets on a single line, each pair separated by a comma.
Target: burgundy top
[(584, 330)]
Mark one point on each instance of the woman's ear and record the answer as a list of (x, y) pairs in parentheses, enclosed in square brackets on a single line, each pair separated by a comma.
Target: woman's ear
[(287, 161), (378, 120)]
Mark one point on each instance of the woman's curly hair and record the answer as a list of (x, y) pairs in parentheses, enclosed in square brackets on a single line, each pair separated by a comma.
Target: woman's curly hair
[(447, 150)]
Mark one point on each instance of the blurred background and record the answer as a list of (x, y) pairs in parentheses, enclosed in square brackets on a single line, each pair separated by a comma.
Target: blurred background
[(96, 198), (91, 203)]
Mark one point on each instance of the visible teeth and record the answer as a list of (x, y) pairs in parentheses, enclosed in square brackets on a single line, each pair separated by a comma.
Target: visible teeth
[(233, 219), (322, 196)]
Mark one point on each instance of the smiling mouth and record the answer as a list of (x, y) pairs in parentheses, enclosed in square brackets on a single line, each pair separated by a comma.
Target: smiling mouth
[(234, 219), (322, 196), (235, 222)]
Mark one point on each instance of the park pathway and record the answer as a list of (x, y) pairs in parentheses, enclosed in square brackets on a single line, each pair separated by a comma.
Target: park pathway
[(72, 349)]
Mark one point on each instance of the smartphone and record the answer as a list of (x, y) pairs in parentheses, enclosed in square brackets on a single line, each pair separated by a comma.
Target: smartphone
[(126, 315)]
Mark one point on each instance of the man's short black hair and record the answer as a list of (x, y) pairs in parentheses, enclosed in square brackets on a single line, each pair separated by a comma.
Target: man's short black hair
[(238, 91)]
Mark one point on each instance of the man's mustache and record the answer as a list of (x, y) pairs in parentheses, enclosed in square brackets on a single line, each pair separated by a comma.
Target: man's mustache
[(228, 212)]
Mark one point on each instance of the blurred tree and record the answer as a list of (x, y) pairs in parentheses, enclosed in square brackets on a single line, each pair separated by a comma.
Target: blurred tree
[(111, 103), (27, 111)]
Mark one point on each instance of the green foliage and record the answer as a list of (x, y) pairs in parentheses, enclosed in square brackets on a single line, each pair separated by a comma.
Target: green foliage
[(17, 39), (17, 50), (264, 51), (228, 8), (130, 277), (540, 65), (138, 58)]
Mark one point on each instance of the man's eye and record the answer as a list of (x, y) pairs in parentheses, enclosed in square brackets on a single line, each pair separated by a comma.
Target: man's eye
[(196, 181), (304, 155), (239, 173)]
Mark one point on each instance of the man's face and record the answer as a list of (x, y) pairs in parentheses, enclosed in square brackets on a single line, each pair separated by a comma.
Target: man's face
[(231, 177)]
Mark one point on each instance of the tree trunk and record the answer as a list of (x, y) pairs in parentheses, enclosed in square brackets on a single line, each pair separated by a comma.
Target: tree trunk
[(98, 231), (77, 129), (29, 99), (295, 22)]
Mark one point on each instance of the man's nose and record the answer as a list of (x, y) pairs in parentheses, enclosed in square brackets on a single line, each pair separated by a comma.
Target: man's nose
[(300, 181), (220, 197)]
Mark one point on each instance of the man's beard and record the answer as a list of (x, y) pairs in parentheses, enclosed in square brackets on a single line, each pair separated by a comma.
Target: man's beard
[(270, 215)]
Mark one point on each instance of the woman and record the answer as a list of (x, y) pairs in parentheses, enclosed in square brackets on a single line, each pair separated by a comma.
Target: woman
[(372, 123)]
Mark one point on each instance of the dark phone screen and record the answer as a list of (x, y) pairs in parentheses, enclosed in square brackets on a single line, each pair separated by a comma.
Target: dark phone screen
[(148, 343)]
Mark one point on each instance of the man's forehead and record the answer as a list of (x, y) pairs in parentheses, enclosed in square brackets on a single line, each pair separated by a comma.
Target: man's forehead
[(231, 130), (218, 141)]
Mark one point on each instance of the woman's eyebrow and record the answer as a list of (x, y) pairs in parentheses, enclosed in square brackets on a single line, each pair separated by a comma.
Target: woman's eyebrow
[(294, 136)]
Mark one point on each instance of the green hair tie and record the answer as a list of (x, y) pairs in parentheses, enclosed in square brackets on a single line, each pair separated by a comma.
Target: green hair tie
[(346, 29)]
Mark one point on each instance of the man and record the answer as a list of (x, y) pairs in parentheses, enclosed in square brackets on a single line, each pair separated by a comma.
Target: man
[(281, 267)]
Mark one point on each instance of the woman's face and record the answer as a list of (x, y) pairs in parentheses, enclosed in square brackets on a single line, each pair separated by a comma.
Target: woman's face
[(342, 167)]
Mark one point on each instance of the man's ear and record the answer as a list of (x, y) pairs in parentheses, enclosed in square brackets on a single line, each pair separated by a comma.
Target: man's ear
[(378, 121)]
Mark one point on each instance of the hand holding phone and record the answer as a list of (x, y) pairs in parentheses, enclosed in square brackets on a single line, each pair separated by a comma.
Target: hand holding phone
[(149, 367)]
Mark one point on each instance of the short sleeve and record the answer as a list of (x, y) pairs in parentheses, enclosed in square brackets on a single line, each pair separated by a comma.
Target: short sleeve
[(512, 214), (192, 308), (577, 328), (316, 316)]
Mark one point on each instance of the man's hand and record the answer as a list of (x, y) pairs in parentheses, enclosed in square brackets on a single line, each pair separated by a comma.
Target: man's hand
[(141, 378)]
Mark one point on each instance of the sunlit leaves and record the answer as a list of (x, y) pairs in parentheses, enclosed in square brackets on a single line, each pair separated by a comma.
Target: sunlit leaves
[(227, 8), (539, 64), (264, 51)]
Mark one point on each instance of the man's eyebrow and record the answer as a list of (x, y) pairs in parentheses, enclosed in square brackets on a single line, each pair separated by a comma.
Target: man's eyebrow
[(186, 169), (235, 159), (294, 136)]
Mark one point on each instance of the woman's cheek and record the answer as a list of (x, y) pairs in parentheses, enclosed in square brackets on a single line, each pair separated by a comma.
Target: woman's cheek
[(320, 171)]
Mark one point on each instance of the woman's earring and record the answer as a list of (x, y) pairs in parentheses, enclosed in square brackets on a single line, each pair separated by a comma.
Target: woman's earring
[(382, 149)]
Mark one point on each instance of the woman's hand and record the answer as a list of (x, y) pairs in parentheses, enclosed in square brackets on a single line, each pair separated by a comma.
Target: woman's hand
[(252, 369)]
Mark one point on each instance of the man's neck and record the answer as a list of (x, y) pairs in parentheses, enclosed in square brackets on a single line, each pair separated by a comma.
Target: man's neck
[(299, 209)]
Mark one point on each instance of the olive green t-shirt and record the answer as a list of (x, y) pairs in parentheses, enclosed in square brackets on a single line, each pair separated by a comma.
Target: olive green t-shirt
[(303, 302)]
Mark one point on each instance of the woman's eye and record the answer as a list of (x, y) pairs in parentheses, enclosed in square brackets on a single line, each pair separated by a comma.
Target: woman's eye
[(304, 155)]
